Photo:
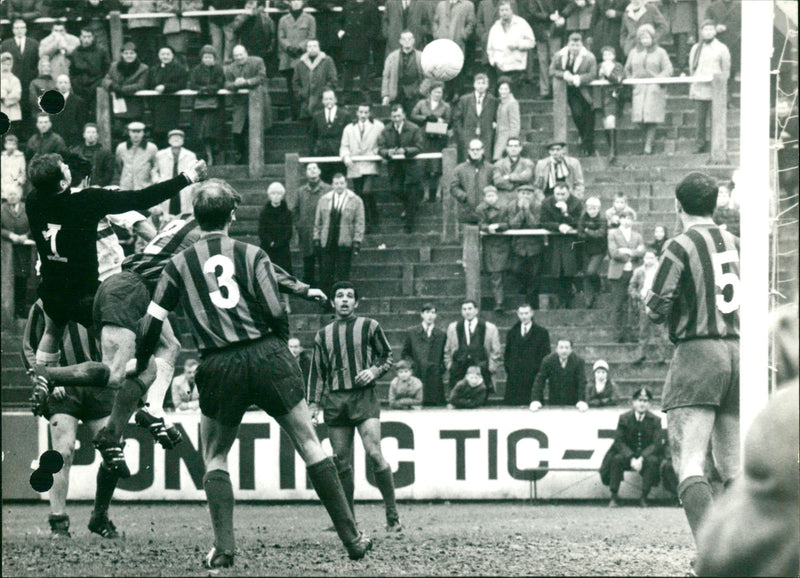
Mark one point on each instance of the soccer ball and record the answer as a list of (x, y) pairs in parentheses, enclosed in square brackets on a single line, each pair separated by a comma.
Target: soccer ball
[(442, 59)]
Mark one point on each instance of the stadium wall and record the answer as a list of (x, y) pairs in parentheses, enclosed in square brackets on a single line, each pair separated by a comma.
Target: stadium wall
[(436, 455)]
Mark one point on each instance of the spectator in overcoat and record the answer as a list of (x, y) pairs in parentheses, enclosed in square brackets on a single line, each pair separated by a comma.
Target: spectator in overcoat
[(415, 16), (638, 13), (625, 250), (360, 138), (207, 78), (57, 47), (512, 171), (611, 97), (221, 28), (45, 140), (101, 158), (469, 180), (10, 92), (25, 51), (527, 344), (325, 132), (275, 231), (577, 67), (136, 159), (472, 341), (681, 15), (180, 31), (294, 30), (606, 25), (170, 162), (563, 375), (727, 18), (709, 57), (246, 72), (403, 138), (454, 20), (560, 214), (527, 251), (558, 165), (494, 248), (636, 447), (578, 14), (166, 78), (508, 120), (433, 109), (88, 66), (13, 175), (648, 60), (313, 74), (145, 32), (304, 213), (69, 122), (593, 233), (544, 19), (424, 346), (509, 40), (125, 77), (16, 234), (474, 116), (486, 14), (255, 30), (362, 25), (402, 74)]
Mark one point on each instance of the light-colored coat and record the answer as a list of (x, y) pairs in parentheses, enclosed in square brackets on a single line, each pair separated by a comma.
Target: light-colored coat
[(12, 172), (174, 25), (51, 47), (649, 100), (353, 144), (617, 260), (141, 7), (508, 124), (491, 344), (715, 58), (11, 95), (254, 71), (136, 166), (294, 33), (419, 22), (508, 49), (574, 178), (391, 73), (454, 22), (585, 67), (351, 226), (186, 160)]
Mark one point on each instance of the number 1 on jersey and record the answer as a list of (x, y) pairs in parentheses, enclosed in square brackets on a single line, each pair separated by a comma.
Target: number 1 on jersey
[(224, 279)]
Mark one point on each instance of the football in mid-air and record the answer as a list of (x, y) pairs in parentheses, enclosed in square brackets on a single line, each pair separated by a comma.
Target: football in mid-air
[(442, 59)]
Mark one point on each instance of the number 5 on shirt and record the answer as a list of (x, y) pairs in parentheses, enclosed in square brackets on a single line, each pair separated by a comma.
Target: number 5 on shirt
[(724, 280)]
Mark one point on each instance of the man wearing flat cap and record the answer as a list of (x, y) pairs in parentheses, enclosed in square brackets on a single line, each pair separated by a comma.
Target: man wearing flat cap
[(136, 159), (171, 162), (636, 447), (560, 214), (557, 165)]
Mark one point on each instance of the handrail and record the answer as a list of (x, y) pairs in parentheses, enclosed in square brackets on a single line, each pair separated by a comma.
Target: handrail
[(657, 80), (523, 233), (187, 92), (368, 158)]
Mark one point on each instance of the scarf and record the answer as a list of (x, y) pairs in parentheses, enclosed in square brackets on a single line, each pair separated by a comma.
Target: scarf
[(296, 13), (558, 170), (127, 69), (634, 14), (700, 45)]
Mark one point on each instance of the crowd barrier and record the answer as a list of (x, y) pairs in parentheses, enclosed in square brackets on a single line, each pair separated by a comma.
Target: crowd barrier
[(435, 454)]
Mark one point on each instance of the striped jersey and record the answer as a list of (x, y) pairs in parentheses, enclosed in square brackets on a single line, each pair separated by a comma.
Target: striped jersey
[(76, 346), (341, 350), (179, 234), (227, 289), (696, 287)]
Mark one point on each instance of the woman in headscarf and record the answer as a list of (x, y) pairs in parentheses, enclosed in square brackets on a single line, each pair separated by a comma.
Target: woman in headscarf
[(126, 76), (207, 78)]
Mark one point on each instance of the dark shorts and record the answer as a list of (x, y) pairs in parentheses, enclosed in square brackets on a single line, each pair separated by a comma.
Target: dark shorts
[(704, 372), (262, 373), (121, 300), (63, 306), (83, 403), (351, 408)]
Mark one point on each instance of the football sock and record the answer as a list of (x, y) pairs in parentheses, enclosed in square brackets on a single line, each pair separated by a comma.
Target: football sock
[(157, 391), (128, 396), (696, 497), (106, 484), (219, 493), (326, 483), (385, 483), (345, 471)]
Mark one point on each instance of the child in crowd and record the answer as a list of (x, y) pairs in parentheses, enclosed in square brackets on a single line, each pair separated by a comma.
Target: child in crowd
[(726, 215), (470, 392), (641, 282), (612, 71), (16, 232), (659, 240), (275, 231), (593, 231), (615, 212), (492, 219), (601, 391), (12, 167), (405, 390)]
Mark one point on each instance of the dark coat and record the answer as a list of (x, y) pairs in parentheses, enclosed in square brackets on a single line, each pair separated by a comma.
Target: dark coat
[(605, 399), (494, 248), (538, 15), (255, 72), (305, 211), (729, 14), (69, 123), (87, 68), (593, 231), (605, 30), (166, 110), (311, 79), (467, 123), (275, 234), (327, 138), (565, 386), (37, 88), (26, 10), (427, 353), (419, 21), (40, 144), (523, 358), (25, 65), (256, 32), (207, 81), (563, 256), (103, 163), (411, 139), (362, 25), (469, 179), (632, 440), (125, 86)]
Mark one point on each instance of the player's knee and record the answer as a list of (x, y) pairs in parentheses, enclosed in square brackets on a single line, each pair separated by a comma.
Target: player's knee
[(376, 457)]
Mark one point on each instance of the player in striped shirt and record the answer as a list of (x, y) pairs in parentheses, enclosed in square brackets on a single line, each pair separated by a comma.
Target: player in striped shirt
[(230, 294), (695, 291), (350, 354), (67, 405)]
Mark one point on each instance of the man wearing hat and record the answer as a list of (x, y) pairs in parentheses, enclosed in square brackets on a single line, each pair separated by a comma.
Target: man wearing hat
[(560, 214), (601, 391), (557, 165), (136, 158), (636, 447), (170, 162)]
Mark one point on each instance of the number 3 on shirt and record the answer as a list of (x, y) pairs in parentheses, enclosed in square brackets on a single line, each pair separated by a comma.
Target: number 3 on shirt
[(724, 280), (224, 279)]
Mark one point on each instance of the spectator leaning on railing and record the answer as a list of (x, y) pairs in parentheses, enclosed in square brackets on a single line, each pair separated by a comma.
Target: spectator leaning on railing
[(492, 218), (166, 78), (207, 78), (563, 375), (125, 77), (601, 392), (527, 251), (560, 214), (246, 72)]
